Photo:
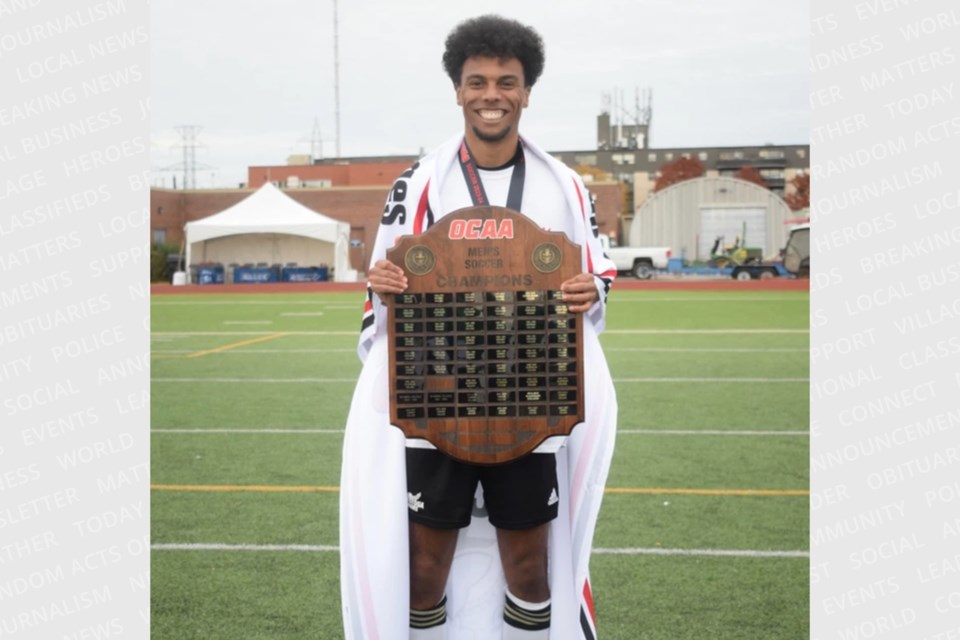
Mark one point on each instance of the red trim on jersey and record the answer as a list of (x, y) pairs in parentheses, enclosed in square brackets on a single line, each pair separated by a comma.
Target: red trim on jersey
[(588, 598), (609, 274), (421, 211), (584, 214)]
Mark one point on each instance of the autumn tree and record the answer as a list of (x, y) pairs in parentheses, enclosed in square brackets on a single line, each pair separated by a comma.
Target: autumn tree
[(751, 174), (677, 171), (799, 198)]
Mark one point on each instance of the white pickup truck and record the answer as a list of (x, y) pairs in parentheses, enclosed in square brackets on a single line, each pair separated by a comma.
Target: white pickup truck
[(641, 262)]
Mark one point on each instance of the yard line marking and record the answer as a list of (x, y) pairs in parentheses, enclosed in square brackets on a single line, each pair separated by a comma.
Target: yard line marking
[(253, 488), (708, 432), (707, 331), (259, 351), (199, 546), (301, 315), (325, 431), (182, 334), (632, 551), (725, 553), (606, 332), (234, 345), (256, 380), (194, 303), (655, 432), (230, 488), (248, 322), (751, 380), (717, 299), (708, 492), (707, 350), (324, 380)]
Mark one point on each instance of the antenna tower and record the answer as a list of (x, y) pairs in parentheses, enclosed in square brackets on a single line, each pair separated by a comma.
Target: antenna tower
[(316, 141)]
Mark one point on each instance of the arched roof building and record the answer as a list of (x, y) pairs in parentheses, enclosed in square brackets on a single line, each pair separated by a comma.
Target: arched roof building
[(689, 216)]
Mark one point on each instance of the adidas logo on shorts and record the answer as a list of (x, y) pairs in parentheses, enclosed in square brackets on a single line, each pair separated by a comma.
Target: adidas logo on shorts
[(413, 502)]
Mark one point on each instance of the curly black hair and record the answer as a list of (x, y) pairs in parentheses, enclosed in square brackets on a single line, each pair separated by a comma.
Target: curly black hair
[(493, 36)]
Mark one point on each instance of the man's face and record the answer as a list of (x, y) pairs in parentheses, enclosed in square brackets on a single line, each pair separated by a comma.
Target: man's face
[(492, 94)]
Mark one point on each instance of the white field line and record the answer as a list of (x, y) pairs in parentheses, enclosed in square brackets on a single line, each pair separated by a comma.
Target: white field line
[(706, 432), (353, 334), (608, 331), (616, 380), (725, 380), (632, 349), (629, 432), (276, 303), (725, 553), (195, 303), (717, 299), (631, 551), (258, 351), (303, 431), (304, 314), (703, 331), (258, 380), (704, 350)]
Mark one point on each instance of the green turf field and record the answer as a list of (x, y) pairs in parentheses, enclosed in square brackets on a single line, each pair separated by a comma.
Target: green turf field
[(703, 533)]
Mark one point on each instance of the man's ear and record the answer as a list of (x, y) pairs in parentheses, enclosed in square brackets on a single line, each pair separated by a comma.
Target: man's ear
[(526, 97), (459, 95)]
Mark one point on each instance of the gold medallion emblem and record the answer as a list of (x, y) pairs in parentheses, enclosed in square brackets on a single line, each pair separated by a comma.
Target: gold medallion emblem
[(419, 260), (546, 257)]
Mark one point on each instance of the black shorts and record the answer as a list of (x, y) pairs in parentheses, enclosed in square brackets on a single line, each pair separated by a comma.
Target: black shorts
[(517, 495)]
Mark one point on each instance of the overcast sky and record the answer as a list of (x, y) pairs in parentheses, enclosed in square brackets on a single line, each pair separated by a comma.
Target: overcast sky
[(256, 76)]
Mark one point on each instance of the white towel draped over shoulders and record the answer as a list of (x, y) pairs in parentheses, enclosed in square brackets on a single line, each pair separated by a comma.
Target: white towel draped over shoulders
[(374, 563)]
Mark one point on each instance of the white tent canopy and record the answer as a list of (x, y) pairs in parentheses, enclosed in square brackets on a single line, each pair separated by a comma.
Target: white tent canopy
[(269, 226)]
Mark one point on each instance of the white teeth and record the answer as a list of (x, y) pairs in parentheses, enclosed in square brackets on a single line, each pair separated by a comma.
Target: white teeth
[(489, 114)]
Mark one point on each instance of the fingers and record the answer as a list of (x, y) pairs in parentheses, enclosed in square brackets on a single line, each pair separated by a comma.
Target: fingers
[(580, 292), (385, 277)]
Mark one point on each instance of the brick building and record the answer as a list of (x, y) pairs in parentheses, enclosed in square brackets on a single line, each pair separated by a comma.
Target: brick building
[(360, 206), (354, 189)]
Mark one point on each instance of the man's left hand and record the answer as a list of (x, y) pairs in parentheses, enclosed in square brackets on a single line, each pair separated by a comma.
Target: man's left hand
[(580, 292)]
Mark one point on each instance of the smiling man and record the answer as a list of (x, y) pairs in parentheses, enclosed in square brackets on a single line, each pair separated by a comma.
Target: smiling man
[(510, 559)]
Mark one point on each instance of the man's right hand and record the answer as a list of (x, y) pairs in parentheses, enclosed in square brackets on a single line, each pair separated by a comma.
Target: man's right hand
[(385, 278)]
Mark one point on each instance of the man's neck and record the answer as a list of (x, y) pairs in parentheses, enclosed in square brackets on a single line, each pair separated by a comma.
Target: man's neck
[(492, 154)]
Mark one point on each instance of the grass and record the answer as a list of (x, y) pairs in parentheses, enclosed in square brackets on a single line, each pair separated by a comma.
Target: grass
[(688, 362)]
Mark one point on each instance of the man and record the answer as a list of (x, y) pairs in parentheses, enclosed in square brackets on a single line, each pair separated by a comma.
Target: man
[(521, 572)]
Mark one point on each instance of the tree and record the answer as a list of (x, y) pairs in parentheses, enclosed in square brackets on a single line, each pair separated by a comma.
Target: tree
[(677, 171), (750, 174), (799, 198)]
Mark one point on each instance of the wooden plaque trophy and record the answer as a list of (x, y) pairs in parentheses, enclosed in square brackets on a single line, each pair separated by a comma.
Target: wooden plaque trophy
[(485, 357)]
